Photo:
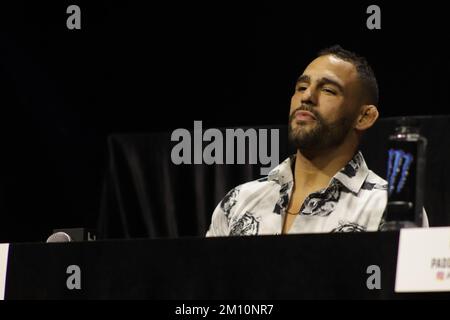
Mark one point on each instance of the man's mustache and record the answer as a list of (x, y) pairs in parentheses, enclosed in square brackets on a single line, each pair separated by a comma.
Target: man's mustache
[(308, 108)]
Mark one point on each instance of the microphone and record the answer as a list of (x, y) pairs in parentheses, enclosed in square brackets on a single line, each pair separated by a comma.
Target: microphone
[(59, 237)]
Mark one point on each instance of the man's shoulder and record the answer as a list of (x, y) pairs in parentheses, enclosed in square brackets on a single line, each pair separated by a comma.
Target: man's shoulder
[(255, 185), (374, 182)]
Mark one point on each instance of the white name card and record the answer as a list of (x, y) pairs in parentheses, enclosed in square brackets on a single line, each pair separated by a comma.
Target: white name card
[(423, 262), (4, 247)]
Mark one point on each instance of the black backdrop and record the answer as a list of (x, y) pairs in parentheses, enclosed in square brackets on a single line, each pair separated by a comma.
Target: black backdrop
[(137, 67), (146, 195)]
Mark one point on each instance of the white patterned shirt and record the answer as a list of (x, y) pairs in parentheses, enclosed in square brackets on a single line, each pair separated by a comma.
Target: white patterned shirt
[(354, 200)]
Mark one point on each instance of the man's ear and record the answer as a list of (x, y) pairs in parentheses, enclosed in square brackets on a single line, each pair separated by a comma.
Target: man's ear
[(366, 118)]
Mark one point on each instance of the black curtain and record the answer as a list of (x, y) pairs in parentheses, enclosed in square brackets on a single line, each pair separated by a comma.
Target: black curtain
[(146, 195)]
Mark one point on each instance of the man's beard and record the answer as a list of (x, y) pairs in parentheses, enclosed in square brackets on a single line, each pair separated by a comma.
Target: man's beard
[(321, 135)]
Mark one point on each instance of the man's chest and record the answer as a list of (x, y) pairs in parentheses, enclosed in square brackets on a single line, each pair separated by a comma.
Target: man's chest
[(317, 212)]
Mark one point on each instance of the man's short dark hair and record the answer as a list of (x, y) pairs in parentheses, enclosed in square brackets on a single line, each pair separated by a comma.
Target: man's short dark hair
[(365, 72)]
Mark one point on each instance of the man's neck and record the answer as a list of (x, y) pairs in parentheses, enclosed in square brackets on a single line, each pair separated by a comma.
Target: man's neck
[(314, 169)]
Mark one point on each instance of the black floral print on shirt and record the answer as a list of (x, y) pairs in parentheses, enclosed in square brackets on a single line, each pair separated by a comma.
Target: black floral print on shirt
[(247, 225), (349, 227), (322, 203), (351, 168), (284, 198), (229, 201)]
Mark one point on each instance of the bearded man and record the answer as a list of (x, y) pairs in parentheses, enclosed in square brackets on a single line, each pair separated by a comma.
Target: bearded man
[(326, 186)]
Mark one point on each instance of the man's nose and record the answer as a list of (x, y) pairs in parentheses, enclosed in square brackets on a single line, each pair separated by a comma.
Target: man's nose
[(309, 96)]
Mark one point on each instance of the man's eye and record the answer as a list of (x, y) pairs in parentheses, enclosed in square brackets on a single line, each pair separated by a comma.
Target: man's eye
[(330, 91), (302, 88)]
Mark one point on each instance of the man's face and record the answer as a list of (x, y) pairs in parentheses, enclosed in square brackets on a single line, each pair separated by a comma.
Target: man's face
[(325, 104)]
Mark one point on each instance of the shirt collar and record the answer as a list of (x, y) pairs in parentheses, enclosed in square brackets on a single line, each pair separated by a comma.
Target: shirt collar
[(352, 175)]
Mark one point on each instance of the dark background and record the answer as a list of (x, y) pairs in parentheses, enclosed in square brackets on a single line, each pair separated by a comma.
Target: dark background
[(137, 67)]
